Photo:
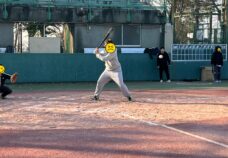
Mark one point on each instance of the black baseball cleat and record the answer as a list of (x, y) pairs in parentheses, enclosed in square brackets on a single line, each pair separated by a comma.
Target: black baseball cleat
[(129, 98), (95, 98)]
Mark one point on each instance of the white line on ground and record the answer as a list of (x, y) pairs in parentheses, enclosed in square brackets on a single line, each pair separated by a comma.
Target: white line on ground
[(177, 130)]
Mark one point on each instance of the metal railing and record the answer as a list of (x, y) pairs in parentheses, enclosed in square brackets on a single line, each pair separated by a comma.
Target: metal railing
[(195, 52)]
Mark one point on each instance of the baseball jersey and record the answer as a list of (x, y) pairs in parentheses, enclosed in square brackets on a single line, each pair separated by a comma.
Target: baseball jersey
[(110, 59)]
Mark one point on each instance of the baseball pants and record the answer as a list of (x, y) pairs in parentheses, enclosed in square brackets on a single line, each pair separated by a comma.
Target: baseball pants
[(109, 75)]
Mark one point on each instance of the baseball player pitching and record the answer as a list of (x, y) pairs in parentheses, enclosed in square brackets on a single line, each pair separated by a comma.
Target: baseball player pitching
[(113, 70)]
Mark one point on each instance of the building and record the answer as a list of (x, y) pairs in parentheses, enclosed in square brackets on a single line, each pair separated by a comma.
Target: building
[(136, 23)]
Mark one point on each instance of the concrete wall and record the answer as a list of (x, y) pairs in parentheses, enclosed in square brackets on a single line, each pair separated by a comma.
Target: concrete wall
[(85, 67), (6, 34), (168, 37), (44, 45)]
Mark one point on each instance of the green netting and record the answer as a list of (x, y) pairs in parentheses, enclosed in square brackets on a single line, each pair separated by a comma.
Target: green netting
[(121, 4)]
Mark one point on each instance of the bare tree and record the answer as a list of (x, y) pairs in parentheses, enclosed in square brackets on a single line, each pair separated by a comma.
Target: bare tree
[(196, 17)]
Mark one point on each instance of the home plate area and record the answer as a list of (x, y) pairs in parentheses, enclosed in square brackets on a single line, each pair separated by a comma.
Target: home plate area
[(158, 123)]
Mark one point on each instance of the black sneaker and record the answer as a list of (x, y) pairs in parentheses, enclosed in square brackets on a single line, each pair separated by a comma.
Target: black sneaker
[(3, 97), (95, 98), (129, 98)]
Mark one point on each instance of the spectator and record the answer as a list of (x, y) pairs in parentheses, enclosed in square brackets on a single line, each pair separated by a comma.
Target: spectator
[(163, 63), (217, 63)]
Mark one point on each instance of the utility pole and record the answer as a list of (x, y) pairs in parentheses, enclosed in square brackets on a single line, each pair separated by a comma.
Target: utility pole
[(173, 19), (196, 27)]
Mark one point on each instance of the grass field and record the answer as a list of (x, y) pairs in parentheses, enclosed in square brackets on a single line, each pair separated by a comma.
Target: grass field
[(143, 85)]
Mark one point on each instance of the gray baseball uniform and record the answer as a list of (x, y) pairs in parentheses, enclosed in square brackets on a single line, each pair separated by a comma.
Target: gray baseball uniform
[(112, 71)]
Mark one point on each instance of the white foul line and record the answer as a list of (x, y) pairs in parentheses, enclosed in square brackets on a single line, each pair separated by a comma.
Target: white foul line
[(178, 130)]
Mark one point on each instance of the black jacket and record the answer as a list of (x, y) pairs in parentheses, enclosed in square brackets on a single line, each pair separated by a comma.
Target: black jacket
[(217, 58), (3, 78), (164, 61)]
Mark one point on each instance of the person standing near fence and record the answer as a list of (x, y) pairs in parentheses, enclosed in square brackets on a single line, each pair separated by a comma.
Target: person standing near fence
[(163, 63), (217, 63)]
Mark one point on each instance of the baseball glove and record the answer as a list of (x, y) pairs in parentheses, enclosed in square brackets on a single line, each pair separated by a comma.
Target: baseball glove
[(13, 78)]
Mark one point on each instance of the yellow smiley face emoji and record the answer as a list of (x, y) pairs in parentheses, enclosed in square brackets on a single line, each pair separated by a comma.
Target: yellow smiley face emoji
[(219, 50), (110, 48), (2, 69)]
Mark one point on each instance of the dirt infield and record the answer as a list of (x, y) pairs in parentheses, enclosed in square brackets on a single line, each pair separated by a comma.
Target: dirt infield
[(159, 123)]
